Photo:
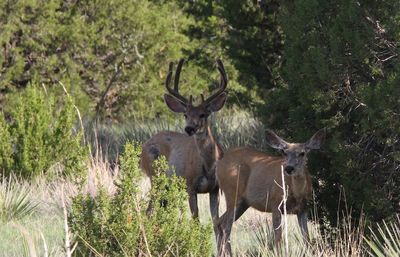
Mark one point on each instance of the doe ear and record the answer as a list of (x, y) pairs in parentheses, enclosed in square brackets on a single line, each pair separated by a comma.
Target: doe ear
[(174, 104), (274, 140), (217, 103), (316, 140)]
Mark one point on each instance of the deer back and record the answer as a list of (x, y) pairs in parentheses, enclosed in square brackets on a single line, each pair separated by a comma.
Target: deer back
[(256, 177)]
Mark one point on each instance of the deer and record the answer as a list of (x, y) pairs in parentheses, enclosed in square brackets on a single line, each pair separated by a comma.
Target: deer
[(191, 155), (252, 178)]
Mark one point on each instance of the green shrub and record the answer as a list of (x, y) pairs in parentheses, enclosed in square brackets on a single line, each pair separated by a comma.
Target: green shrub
[(120, 226), (6, 160), (40, 136)]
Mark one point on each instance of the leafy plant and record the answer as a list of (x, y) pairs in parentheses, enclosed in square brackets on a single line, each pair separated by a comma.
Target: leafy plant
[(41, 136), (120, 226)]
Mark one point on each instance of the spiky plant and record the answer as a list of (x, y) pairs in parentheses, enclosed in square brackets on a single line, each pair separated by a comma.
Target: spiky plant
[(15, 200), (385, 242)]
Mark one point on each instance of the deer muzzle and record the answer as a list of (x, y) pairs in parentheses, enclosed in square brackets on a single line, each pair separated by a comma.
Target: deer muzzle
[(190, 130), (289, 170)]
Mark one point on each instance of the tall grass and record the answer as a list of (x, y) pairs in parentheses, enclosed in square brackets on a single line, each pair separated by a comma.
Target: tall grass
[(41, 221), (386, 241), (231, 128)]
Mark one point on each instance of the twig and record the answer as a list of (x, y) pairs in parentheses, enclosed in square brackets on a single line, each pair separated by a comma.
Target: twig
[(46, 249), (285, 213), (68, 252), (77, 111)]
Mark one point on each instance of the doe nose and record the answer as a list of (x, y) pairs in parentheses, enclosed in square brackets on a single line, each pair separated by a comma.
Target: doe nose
[(289, 169), (190, 130)]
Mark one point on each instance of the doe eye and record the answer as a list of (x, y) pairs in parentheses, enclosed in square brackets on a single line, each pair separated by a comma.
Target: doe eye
[(301, 154), (184, 115)]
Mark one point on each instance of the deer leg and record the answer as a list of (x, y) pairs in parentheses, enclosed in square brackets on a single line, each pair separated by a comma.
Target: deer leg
[(302, 218), (193, 205), (225, 228), (277, 226), (240, 209), (214, 208), (224, 232)]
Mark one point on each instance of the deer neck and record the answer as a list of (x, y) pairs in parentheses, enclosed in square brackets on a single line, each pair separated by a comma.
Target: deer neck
[(208, 148), (301, 185)]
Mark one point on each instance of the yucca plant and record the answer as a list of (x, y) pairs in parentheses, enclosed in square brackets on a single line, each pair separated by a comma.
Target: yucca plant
[(15, 201), (385, 242)]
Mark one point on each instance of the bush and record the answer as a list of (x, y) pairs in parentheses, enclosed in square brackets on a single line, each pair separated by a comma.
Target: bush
[(40, 136), (119, 225)]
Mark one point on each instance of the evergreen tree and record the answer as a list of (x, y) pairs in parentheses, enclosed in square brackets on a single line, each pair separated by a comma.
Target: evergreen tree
[(342, 71)]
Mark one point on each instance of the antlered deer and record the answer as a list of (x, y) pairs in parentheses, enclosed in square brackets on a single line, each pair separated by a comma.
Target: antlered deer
[(191, 156), (251, 178)]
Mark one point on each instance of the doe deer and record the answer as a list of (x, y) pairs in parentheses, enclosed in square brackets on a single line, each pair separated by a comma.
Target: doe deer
[(251, 178), (191, 155)]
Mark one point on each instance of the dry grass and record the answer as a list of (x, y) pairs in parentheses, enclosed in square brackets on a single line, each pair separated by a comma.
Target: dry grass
[(42, 233)]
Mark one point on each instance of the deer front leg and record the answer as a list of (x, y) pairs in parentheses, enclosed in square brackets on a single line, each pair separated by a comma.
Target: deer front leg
[(302, 218), (277, 226), (193, 205), (214, 204)]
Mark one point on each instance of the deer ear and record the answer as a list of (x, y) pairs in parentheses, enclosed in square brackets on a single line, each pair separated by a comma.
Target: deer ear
[(217, 103), (174, 104), (275, 141), (315, 141)]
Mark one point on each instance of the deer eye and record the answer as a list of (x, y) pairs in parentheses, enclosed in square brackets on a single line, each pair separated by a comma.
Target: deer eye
[(184, 115), (302, 154), (202, 116)]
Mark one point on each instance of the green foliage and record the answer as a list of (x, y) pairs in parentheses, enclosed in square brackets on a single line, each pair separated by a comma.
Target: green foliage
[(119, 225), (6, 144), (342, 73), (41, 136), (247, 35), (112, 55)]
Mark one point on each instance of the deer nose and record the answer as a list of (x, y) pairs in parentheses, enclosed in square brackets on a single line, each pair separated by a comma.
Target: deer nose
[(289, 169), (190, 130)]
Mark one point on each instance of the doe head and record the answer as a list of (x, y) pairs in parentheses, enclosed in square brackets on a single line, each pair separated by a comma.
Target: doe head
[(295, 154), (195, 116)]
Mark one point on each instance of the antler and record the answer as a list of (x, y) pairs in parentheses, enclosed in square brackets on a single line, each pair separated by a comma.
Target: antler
[(222, 85), (175, 91)]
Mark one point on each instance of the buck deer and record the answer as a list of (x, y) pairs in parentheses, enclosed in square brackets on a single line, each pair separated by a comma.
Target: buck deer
[(191, 156), (251, 178)]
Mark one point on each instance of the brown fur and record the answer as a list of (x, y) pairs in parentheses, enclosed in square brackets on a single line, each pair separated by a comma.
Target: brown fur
[(192, 157), (251, 178)]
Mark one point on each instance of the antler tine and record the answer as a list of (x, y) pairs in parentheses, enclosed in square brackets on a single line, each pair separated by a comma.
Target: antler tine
[(178, 74), (224, 79), (223, 83), (202, 98), (169, 76), (175, 91)]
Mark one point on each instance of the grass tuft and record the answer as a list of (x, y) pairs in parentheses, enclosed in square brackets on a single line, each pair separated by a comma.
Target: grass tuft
[(15, 200)]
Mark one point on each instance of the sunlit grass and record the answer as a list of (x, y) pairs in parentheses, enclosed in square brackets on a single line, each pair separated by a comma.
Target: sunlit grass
[(38, 229)]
